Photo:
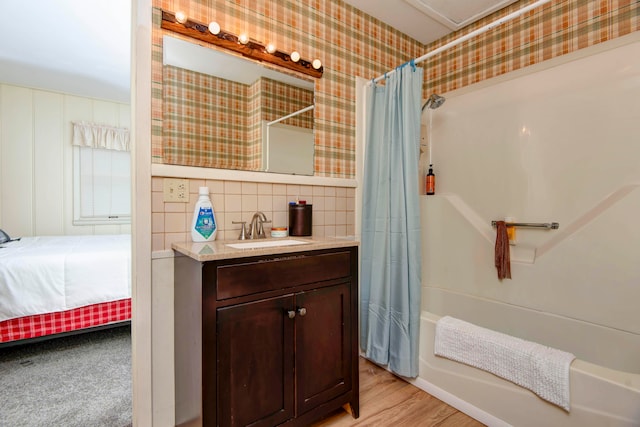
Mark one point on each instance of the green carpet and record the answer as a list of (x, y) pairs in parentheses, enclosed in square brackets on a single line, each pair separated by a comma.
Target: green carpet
[(80, 380)]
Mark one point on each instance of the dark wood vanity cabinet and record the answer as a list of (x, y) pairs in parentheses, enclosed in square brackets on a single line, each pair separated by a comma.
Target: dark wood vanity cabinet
[(279, 337), (255, 369)]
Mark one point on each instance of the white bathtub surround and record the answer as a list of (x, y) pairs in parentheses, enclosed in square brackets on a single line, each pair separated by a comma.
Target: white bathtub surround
[(537, 146), (541, 369)]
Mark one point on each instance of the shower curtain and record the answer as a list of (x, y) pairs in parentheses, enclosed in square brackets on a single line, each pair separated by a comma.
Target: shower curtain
[(391, 251)]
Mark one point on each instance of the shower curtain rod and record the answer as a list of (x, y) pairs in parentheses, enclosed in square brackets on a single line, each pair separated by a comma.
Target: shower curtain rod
[(288, 116), (466, 37)]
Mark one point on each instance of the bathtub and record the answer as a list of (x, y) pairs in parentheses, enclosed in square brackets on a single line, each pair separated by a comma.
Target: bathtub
[(503, 149), (600, 396)]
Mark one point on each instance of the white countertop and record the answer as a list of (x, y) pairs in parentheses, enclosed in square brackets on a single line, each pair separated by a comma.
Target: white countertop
[(216, 250)]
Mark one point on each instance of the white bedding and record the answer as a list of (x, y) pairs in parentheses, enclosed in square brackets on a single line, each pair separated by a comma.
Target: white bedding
[(47, 274)]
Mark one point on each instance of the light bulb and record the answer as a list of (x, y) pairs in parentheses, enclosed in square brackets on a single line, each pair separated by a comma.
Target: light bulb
[(214, 28), (316, 64), (243, 38), (181, 17), (295, 56), (271, 48)]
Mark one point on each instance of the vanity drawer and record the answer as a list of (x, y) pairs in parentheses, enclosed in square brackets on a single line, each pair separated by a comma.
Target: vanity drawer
[(239, 279)]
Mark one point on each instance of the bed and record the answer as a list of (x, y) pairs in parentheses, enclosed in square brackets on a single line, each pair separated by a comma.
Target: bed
[(57, 284)]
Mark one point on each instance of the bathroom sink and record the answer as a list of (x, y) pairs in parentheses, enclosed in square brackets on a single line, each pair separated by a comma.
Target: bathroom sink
[(266, 244)]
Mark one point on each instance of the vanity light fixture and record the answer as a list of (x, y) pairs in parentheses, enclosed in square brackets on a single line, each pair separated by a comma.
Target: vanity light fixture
[(214, 28), (230, 41), (181, 17), (271, 48), (243, 38)]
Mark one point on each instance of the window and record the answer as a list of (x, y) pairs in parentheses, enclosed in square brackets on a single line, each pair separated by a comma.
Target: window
[(102, 175)]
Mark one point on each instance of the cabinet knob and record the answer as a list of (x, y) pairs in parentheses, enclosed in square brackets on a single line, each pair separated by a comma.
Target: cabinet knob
[(291, 314), (302, 311)]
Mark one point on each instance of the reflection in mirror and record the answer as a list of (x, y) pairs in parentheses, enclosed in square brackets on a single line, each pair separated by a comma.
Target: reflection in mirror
[(223, 111)]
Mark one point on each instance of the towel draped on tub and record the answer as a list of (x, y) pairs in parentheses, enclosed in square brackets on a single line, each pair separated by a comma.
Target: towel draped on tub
[(541, 369)]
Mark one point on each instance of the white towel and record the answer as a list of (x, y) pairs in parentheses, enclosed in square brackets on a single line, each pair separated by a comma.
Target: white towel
[(543, 370)]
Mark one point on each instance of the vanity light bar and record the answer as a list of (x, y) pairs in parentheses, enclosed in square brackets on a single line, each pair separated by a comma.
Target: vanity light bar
[(230, 41)]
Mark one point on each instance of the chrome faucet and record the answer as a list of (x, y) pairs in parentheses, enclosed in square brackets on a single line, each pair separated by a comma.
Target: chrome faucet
[(256, 227)]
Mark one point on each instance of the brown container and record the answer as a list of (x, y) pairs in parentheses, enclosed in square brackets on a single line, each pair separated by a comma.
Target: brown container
[(300, 222)]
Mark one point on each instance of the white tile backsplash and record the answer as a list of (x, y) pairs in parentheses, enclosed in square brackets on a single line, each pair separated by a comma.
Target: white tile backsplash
[(333, 208)]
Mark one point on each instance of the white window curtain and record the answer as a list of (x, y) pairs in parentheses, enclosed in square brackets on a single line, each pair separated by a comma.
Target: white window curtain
[(94, 135), (102, 174)]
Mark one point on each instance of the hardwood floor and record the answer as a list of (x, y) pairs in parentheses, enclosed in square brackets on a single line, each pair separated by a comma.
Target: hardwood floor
[(386, 400)]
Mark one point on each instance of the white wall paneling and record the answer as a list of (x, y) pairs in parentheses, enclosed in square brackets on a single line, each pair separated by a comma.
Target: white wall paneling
[(48, 163), (16, 144), (79, 109), (37, 162)]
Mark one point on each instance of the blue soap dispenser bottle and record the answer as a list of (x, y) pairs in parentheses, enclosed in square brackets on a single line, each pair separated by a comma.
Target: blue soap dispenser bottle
[(203, 226)]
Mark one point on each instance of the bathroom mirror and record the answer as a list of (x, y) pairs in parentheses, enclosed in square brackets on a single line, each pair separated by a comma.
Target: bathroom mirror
[(224, 111)]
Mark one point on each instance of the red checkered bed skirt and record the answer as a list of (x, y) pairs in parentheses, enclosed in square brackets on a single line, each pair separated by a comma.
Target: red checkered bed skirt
[(65, 321)]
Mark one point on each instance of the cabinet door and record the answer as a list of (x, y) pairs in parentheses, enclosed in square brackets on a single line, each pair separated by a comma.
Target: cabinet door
[(255, 363), (323, 351)]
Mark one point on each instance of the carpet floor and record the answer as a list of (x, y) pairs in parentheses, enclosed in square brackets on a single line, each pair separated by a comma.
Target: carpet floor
[(80, 380)]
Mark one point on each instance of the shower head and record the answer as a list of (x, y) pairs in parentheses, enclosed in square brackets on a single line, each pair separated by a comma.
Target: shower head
[(433, 102)]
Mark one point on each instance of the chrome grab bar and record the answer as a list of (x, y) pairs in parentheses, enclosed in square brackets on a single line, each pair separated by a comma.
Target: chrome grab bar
[(547, 225)]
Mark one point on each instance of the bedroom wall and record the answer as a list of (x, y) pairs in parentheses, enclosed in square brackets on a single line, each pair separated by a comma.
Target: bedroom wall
[(36, 162)]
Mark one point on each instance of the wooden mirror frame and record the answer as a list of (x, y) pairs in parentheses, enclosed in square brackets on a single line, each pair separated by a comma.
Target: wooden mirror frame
[(229, 41)]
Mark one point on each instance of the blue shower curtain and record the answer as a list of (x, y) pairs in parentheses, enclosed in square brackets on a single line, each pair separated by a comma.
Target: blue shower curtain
[(391, 251)]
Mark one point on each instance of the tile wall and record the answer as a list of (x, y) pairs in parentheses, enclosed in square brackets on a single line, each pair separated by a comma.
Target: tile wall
[(333, 208)]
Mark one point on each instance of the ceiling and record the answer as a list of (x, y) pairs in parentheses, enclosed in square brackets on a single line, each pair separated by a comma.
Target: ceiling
[(428, 20), (83, 46), (80, 47), (401, 15)]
